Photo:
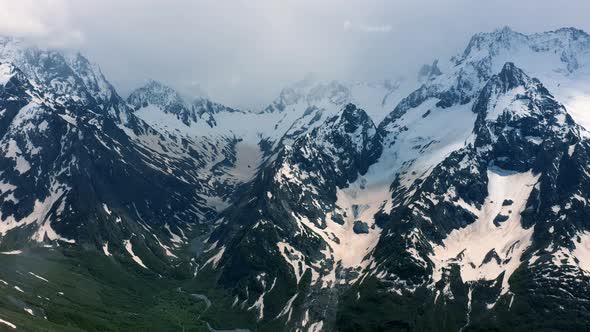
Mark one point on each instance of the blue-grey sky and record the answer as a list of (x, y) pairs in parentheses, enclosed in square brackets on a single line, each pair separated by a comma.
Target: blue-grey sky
[(242, 52)]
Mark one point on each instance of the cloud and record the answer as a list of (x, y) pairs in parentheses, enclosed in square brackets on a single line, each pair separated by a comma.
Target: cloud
[(268, 44), (376, 28), (235, 80), (349, 26), (45, 21)]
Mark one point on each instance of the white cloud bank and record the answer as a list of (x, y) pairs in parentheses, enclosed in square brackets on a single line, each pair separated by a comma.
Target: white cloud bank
[(45, 21), (243, 52)]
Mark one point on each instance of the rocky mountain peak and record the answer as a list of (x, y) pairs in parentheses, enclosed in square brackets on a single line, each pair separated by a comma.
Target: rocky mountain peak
[(511, 76), (158, 94), (66, 77), (568, 44), (353, 117), (154, 97), (513, 91), (311, 92), (69, 74), (429, 72), (493, 41), (348, 142)]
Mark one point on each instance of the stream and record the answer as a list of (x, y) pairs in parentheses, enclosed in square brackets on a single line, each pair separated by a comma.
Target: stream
[(204, 298)]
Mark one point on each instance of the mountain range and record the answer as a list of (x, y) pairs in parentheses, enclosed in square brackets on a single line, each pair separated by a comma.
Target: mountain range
[(456, 200)]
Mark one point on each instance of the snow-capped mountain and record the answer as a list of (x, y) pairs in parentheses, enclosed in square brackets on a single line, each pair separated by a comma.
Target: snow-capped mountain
[(329, 97), (165, 99), (302, 217), (456, 200), (238, 142), (64, 76), (297, 108), (79, 168)]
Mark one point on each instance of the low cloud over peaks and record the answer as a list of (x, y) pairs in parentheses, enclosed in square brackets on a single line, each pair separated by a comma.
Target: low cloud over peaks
[(242, 53)]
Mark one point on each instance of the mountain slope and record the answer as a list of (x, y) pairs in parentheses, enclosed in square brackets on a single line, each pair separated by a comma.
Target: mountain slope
[(460, 205), (463, 188), (293, 235), (450, 241), (72, 141)]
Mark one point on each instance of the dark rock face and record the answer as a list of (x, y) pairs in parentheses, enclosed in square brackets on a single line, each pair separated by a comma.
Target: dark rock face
[(360, 227), (500, 218)]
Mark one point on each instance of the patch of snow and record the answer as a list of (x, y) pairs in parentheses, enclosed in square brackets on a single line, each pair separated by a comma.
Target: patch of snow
[(259, 303), (174, 237), (9, 324), (288, 309), (571, 149), (213, 246), (305, 318), (214, 260), (294, 258), (38, 277), (468, 246), (69, 119), (105, 249), (360, 201), (469, 301), (42, 211), (13, 252), (508, 102), (6, 73), (45, 230), (582, 250), (106, 209), (414, 152), (14, 152), (217, 203), (129, 248), (316, 327), (165, 248), (248, 158)]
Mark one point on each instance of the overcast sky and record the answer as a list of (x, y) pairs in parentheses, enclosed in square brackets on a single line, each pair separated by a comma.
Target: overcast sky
[(242, 52)]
